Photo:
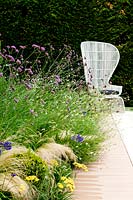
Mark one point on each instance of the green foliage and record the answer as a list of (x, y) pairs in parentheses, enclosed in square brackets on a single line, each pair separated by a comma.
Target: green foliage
[(33, 165), (86, 150), (53, 108), (5, 196)]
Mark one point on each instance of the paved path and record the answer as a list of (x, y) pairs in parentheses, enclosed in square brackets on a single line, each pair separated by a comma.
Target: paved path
[(124, 123), (111, 177)]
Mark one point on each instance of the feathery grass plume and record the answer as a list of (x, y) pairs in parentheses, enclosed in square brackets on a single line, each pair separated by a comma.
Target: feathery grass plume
[(18, 188), (9, 162), (56, 151)]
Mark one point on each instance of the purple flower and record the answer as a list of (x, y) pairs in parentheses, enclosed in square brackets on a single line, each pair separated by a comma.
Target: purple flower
[(18, 62), (17, 50), (7, 145), (36, 46), (13, 174), (42, 48), (13, 47), (2, 55), (20, 69), (57, 79), (1, 74), (28, 86), (30, 72), (22, 47), (10, 58), (77, 138)]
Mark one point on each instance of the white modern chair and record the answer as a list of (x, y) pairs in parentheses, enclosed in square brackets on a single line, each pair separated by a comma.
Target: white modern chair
[(100, 60)]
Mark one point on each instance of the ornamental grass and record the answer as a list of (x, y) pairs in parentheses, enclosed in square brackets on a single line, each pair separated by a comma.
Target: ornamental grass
[(48, 123)]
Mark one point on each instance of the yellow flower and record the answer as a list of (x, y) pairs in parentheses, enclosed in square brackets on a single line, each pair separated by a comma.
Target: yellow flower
[(67, 183), (54, 162), (32, 178), (22, 188), (70, 187), (63, 178), (81, 166), (60, 185)]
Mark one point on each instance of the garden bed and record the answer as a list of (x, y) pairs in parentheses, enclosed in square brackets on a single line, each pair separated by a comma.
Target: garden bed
[(48, 127)]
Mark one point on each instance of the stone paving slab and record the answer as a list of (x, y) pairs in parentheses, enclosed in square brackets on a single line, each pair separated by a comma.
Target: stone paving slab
[(111, 177)]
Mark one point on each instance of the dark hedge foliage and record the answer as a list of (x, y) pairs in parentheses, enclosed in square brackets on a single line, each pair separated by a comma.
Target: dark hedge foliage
[(70, 22)]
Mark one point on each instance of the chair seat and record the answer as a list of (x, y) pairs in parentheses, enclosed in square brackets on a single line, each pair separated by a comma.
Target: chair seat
[(109, 92)]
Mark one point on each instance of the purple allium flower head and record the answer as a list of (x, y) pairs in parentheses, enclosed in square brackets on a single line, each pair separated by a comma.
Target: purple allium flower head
[(1, 74), (42, 48), (22, 47), (7, 145), (8, 47)]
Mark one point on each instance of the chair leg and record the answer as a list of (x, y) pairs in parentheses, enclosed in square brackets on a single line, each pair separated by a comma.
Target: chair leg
[(116, 104)]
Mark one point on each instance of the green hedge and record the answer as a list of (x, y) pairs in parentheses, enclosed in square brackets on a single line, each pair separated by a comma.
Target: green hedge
[(71, 22)]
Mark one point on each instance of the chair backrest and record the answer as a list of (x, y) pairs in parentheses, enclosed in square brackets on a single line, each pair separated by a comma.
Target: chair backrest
[(100, 59)]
